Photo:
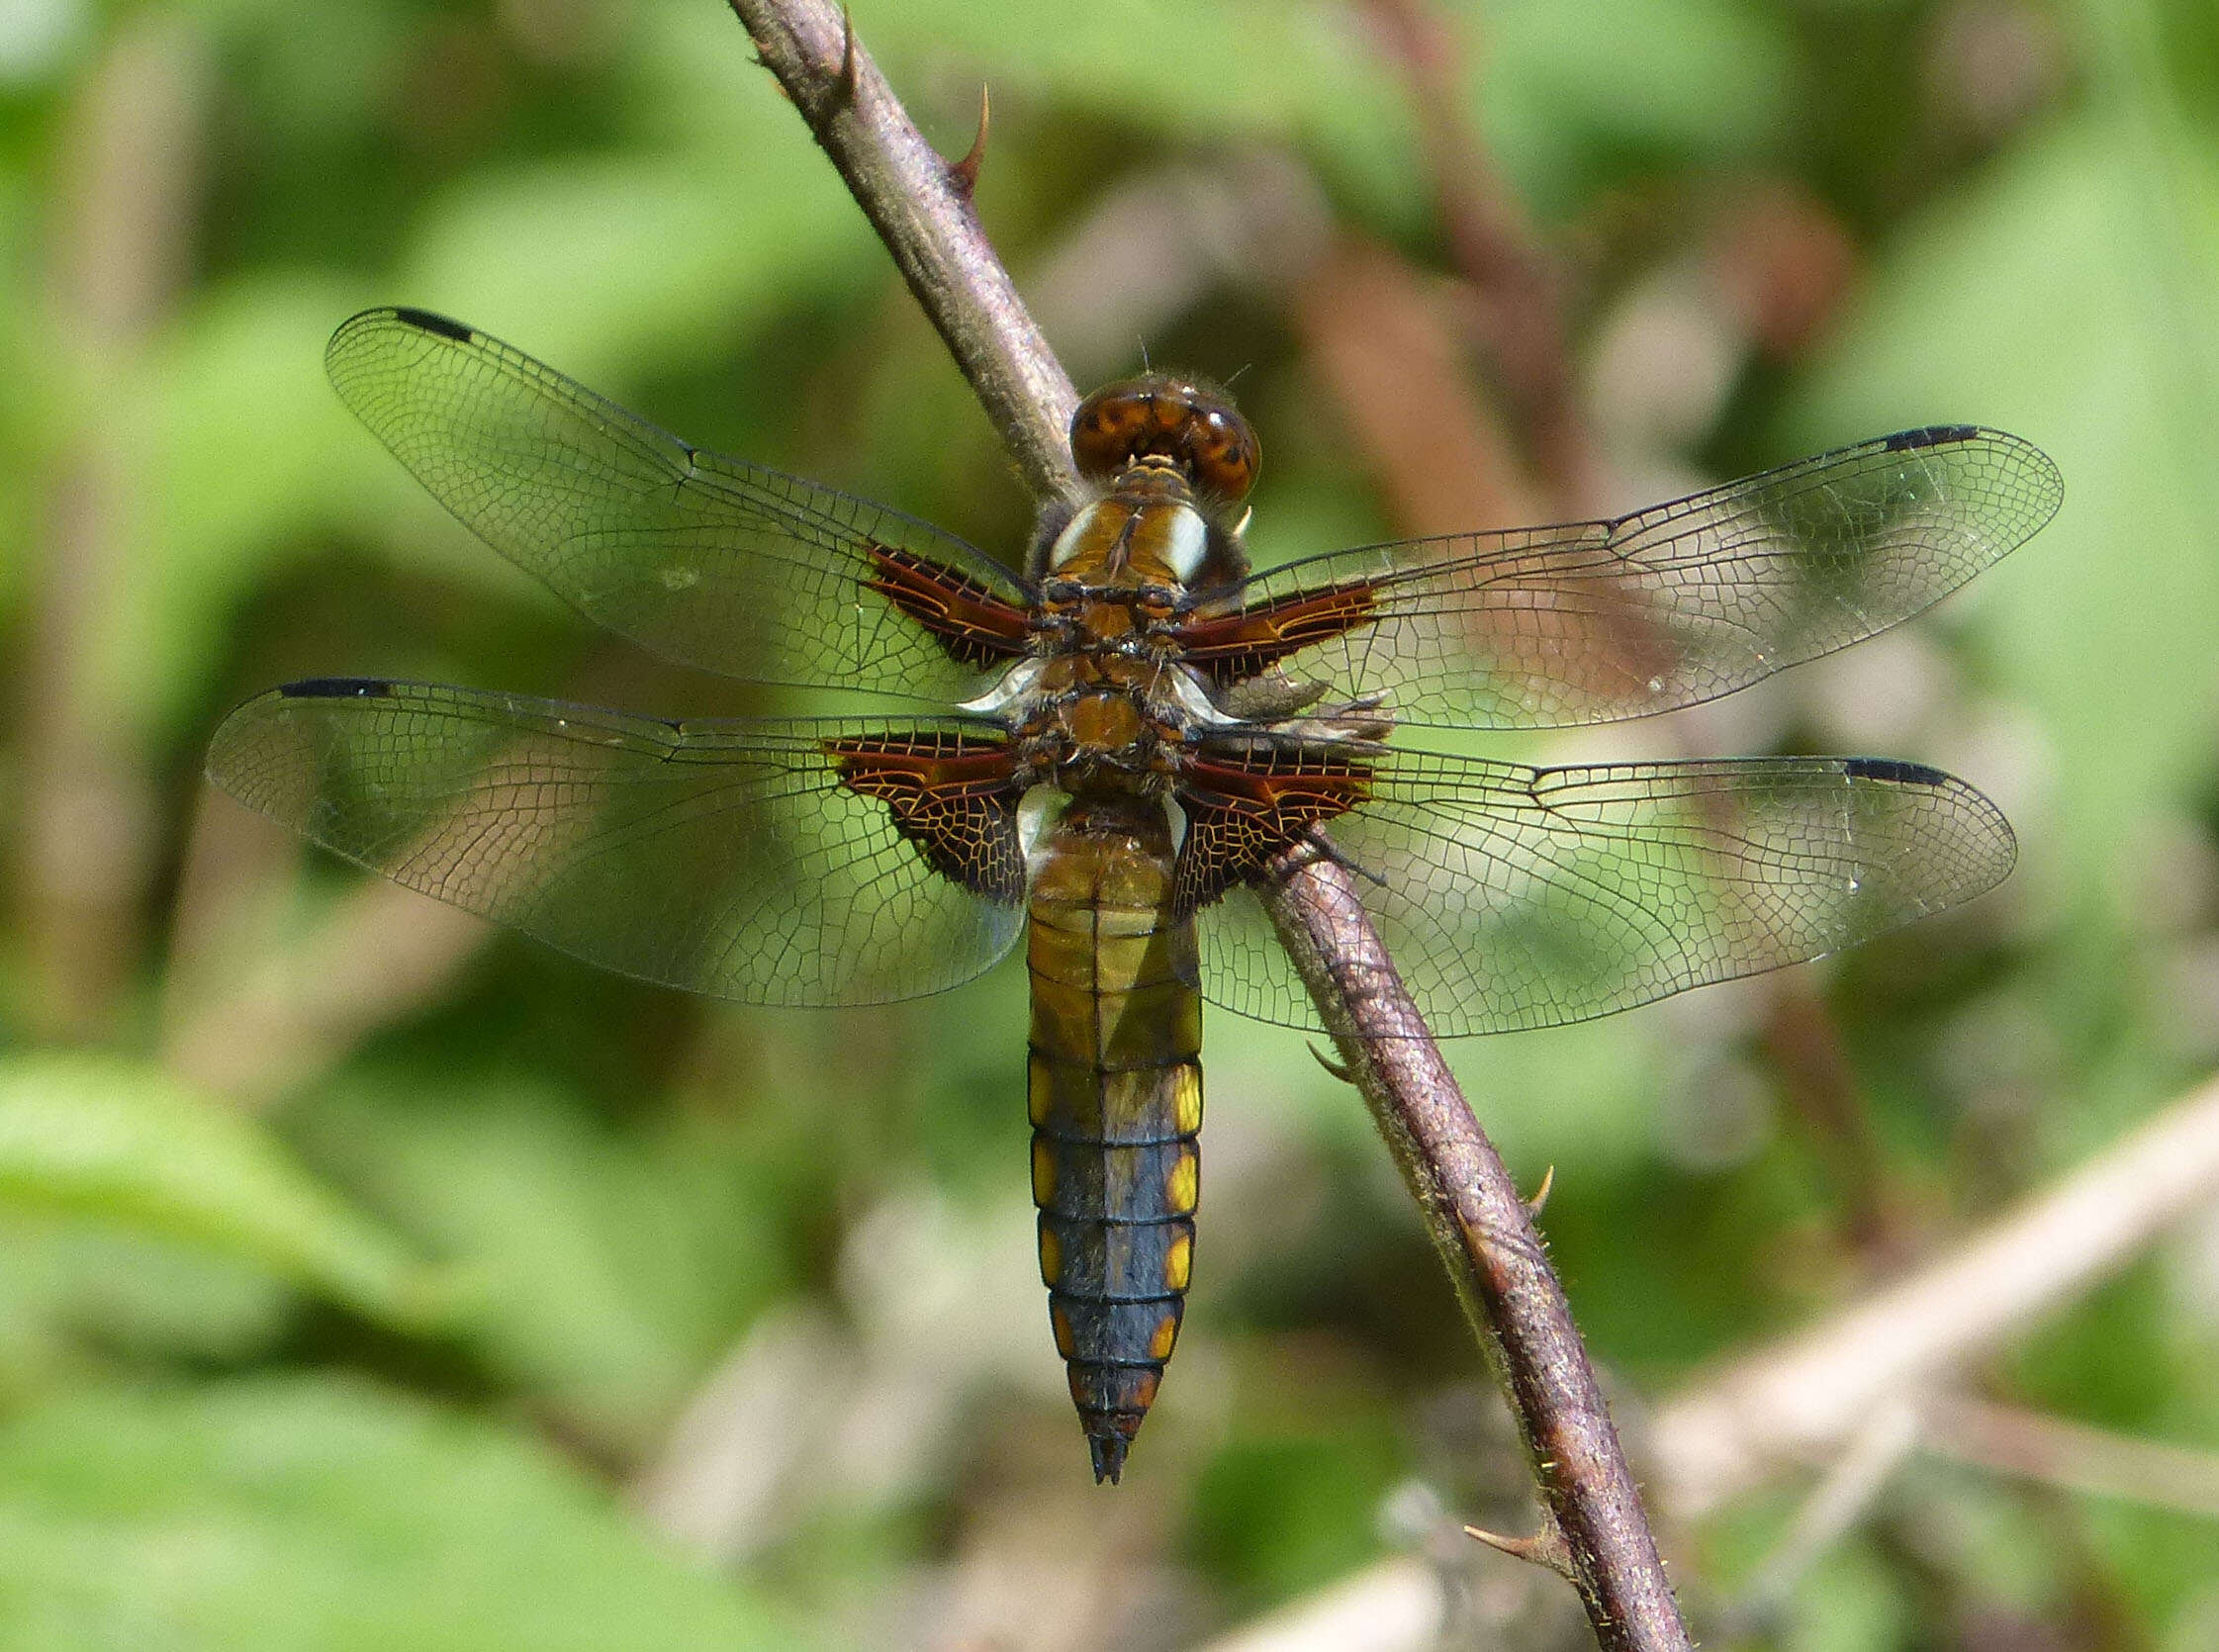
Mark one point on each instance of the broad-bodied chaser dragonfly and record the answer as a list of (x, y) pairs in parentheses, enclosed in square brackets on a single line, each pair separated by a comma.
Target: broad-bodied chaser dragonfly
[(1104, 748)]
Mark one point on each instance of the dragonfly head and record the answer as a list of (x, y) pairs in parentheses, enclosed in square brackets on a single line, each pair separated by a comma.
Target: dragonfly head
[(1157, 416)]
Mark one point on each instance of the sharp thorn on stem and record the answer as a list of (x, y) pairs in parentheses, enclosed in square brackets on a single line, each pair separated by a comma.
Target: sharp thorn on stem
[(963, 174), (1338, 1068), (1545, 1548), (845, 85), (1541, 1193)]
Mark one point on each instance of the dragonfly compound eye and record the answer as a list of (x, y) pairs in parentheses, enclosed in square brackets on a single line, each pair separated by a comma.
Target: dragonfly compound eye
[(1159, 416)]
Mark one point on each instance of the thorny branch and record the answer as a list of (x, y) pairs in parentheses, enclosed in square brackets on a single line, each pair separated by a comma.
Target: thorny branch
[(1481, 1227), (920, 205), (1823, 1397)]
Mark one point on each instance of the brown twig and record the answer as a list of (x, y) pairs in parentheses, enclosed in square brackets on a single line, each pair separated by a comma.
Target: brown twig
[(255, 1034), (920, 205), (1484, 1232), (1824, 1398), (1481, 1227)]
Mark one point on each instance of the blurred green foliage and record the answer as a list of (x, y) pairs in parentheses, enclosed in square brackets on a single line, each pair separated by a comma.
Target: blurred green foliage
[(365, 1283)]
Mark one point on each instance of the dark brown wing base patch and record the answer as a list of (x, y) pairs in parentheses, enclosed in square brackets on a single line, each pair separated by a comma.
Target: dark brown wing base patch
[(955, 798), (1236, 646), (1243, 805), (973, 625)]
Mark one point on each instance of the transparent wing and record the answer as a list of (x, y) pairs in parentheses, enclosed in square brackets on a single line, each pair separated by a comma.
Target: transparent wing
[(720, 857), (1678, 603), (1514, 898), (708, 560)]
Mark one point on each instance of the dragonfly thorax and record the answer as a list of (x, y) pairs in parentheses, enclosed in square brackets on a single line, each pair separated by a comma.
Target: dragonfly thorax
[(1143, 531)]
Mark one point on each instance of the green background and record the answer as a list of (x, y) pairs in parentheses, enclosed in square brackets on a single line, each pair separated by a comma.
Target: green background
[(368, 1279)]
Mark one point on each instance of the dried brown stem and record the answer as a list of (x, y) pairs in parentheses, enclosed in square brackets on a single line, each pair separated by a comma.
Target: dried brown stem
[(920, 205), (2008, 1439), (1798, 1401), (1484, 1232), (1481, 1227)]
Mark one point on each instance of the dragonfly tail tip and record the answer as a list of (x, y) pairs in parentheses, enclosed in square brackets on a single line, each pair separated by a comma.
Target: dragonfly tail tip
[(1109, 1456)]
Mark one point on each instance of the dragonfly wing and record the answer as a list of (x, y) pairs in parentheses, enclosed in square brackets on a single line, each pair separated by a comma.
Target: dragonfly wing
[(1541, 627), (707, 560), (834, 862), (1514, 898)]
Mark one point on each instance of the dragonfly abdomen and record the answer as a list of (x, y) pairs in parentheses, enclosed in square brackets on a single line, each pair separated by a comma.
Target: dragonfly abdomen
[(1114, 1087)]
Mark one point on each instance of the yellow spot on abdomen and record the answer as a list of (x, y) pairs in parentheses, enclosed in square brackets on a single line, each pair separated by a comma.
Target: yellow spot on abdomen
[(1043, 1171), (1167, 1334), (1064, 1341), (1186, 1098), (1051, 1256), (1182, 1183), (1179, 1262)]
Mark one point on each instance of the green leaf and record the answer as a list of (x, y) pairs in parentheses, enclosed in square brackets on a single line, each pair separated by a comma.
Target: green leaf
[(303, 1515), (126, 1144), (614, 1265)]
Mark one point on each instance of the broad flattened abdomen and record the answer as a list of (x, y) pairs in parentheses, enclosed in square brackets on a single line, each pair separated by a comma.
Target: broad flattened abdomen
[(1114, 1091)]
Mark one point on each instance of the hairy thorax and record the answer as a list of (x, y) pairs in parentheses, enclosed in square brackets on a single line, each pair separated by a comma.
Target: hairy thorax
[(1106, 705)]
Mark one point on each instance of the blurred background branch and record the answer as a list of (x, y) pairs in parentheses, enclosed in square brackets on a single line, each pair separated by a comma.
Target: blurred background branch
[(124, 208)]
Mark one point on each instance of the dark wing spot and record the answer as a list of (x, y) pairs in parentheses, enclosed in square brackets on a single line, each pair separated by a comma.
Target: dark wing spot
[(1894, 771), (430, 323), (338, 688), (1931, 435)]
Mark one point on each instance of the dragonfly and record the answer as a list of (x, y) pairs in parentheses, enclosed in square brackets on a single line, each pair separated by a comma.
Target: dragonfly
[(1101, 749)]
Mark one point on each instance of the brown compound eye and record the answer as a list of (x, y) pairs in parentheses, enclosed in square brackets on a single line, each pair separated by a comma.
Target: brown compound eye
[(1110, 426), (1222, 448), (1156, 415)]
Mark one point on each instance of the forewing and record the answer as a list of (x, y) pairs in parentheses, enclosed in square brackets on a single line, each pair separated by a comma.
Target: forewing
[(705, 559), (1593, 621), (728, 858), (1514, 898)]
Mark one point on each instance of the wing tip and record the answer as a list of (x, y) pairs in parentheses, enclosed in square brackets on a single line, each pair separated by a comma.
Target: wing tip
[(1986, 826), (386, 315), (2035, 470)]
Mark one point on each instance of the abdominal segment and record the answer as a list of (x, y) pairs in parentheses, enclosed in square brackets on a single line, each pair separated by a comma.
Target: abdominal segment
[(1114, 1087)]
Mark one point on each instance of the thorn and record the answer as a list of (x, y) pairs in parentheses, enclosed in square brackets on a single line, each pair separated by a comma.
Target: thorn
[(1545, 1548), (1338, 1068), (1541, 1193), (846, 84), (963, 174)]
